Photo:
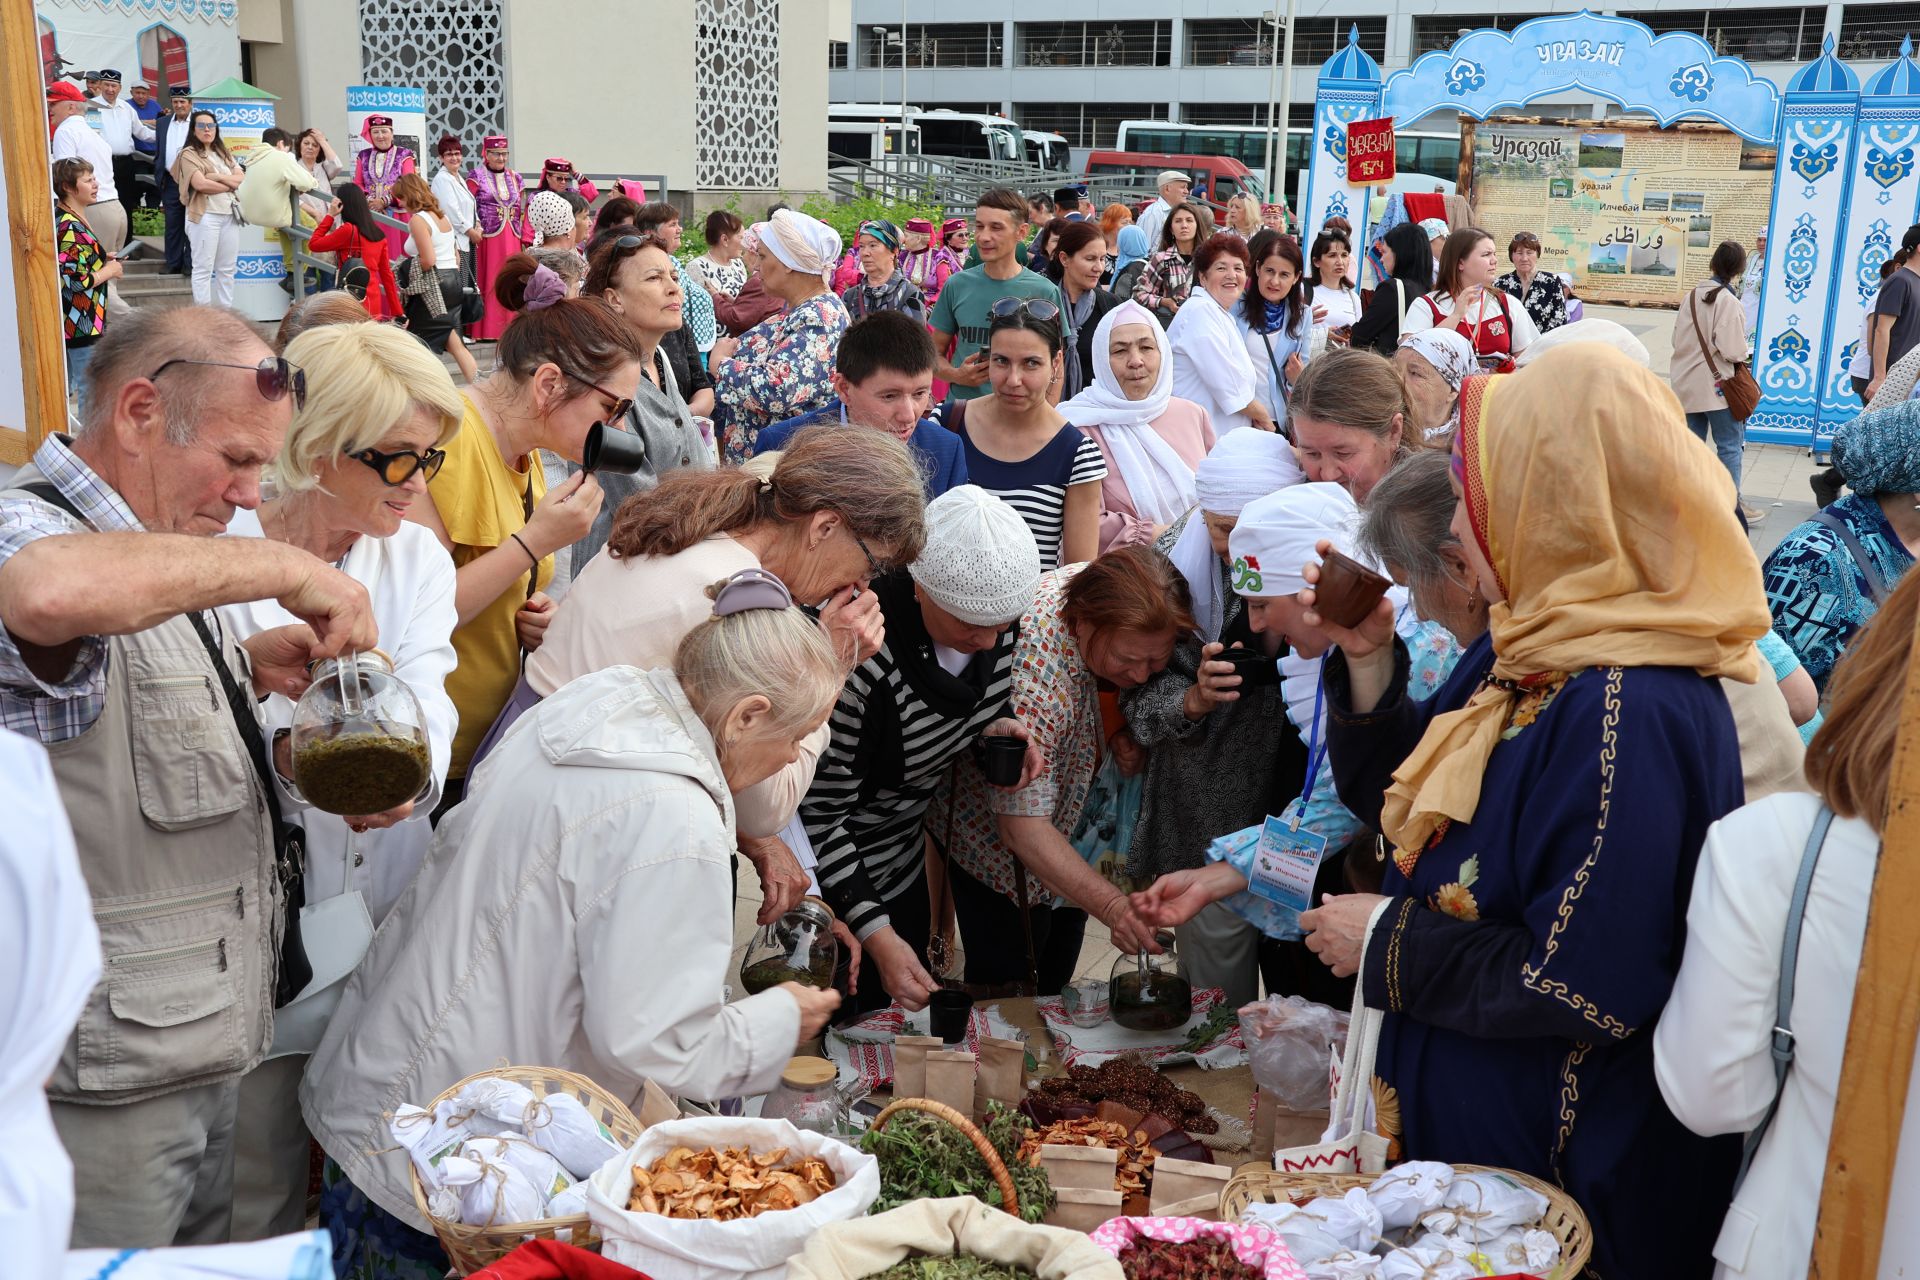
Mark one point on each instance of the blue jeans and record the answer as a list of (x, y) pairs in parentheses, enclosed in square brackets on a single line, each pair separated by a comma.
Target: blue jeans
[(77, 358), (1727, 437)]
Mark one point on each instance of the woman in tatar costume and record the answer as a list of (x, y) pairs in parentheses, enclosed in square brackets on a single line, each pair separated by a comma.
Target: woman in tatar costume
[(500, 210)]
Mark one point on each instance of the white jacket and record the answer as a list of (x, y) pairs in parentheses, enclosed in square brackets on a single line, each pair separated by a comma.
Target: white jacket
[(1712, 1047), (575, 912)]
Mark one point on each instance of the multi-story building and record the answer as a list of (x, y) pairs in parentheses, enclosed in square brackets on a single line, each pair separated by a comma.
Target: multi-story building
[(1080, 67)]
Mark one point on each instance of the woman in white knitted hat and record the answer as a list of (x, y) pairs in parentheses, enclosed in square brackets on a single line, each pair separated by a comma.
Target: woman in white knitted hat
[(942, 679), (783, 366)]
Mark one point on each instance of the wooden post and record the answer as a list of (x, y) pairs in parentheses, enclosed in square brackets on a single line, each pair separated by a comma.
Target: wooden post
[(1880, 1038), (29, 216)]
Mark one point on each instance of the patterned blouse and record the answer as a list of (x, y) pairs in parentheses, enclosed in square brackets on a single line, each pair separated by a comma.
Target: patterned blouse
[(783, 367), (1544, 299), (698, 309), (719, 277), (1815, 590), (1055, 695), (83, 305), (897, 294), (1168, 277)]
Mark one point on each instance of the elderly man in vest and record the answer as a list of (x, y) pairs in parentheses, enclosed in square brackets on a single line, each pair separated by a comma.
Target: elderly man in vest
[(111, 655)]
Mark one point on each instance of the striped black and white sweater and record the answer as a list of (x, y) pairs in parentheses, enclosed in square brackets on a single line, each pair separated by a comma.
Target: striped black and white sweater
[(899, 724)]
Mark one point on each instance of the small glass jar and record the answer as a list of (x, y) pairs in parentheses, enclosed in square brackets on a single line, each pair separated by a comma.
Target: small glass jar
[(359, 740), (807, 1097), (1147, 993), (798, 947)]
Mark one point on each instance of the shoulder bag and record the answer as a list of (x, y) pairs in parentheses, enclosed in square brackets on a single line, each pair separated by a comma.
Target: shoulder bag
[(473, 304), (1348, 1145), (1738, 388), (1789, 964)]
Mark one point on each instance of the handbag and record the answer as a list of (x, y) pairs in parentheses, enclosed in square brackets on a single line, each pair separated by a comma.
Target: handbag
[(1348, 1145), (1782, 1047), (1738, 388), (473, 304)]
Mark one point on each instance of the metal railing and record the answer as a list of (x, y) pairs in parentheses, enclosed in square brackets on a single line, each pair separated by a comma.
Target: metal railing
[(953, 185)]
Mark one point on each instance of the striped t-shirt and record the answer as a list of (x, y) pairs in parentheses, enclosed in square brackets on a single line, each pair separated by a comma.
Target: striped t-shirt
[(898, 724), (1037, 486)]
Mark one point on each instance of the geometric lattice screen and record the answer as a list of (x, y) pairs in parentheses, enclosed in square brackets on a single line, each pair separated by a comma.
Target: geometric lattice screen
[(737, 93), (453, 50)]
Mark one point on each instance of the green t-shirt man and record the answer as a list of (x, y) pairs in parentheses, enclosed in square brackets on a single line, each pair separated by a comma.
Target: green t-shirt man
[(962, 311)]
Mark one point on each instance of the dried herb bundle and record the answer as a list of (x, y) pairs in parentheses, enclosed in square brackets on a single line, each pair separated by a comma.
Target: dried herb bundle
[(1208, 1258), (922, 1157), (957, 1267)]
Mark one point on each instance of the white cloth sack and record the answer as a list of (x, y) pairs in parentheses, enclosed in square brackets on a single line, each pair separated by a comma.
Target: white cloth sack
[(1529, 1250), (305, 1255), (1481, 1206), (1348, 1264), (491, 1193), (564, 1128), (1406, 1191), (751, 1249), (958, 1224), (429, 1137), (1420, 1263), (1306, 1234)]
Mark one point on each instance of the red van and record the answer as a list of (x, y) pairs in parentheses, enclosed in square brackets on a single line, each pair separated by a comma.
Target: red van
[(1216, 179)]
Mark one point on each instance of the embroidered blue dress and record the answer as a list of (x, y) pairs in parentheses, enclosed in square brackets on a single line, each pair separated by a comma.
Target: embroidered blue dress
[(1815, 591), (1524, 963)]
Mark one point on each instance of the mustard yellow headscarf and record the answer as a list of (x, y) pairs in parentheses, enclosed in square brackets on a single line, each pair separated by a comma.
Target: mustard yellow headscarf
[(1612, 531)]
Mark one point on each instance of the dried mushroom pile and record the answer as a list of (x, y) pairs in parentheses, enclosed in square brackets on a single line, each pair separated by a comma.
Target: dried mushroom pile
[(1131, 1081), (727, 1185), (1134, 1166)]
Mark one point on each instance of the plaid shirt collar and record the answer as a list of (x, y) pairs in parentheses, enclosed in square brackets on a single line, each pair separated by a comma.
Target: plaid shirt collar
[(103, 508)]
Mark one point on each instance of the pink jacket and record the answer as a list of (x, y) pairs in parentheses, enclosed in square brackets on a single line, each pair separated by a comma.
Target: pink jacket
[(1184, 426)]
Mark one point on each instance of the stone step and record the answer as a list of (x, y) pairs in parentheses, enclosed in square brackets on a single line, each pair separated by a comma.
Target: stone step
[(152, 290)]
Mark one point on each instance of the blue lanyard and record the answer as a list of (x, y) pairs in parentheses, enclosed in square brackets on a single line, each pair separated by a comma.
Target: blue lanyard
[(1316, 747)]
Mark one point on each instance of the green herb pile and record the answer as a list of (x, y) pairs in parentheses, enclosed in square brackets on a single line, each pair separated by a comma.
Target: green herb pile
[(950, 1268), (922, 1157), (1223, 1019)]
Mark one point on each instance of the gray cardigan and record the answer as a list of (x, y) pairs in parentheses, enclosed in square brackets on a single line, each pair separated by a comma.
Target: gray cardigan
[(665, 425)]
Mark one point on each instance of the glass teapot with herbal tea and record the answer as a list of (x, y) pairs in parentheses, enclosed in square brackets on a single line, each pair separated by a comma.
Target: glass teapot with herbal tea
[(1147, 993), (798, 947), (359, 738)]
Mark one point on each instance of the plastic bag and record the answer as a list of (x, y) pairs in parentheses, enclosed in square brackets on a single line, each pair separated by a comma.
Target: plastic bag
[(564, 1128), (1290, 1041), (1104, 833)]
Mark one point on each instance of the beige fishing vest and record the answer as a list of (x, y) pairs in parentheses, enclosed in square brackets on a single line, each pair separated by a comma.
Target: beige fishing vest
[(177, 848)]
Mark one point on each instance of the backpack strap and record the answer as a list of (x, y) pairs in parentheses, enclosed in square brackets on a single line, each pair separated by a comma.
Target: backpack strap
[(1783, 1040)]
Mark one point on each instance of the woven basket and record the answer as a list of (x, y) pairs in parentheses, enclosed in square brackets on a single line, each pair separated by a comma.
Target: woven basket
[(1009, 1202), (1564, 1220), (471, 1248)]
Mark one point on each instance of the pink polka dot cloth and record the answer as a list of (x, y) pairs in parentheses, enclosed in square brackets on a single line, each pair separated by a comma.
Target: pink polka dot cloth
[(1253, 1244)]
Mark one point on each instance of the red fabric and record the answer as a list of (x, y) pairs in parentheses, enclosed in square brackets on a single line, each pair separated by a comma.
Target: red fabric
[(1492, 336), (383, 294), (747, 308), (551, 1260), (1426, 204)]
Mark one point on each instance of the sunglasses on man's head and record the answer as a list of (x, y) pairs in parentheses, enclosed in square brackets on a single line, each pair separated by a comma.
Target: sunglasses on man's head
[(398, 468), (1036, 308), (273, 377)]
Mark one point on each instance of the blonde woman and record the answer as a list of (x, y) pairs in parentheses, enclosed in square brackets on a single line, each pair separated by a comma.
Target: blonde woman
[(529, 931), (1243, 216), (357, 457)]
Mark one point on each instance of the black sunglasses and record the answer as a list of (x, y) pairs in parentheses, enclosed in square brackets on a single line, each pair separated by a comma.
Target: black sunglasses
[(398, 468), (1035, 308), (273, 377), (620, 403)]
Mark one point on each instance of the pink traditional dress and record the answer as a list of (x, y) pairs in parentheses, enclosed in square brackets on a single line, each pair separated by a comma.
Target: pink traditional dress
[(928, 270), (500, 211), (375, 172)]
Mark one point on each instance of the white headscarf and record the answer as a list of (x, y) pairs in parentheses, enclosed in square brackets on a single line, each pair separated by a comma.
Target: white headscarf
[(1447, 350), (1243, 467), (49, 963), (1158, 479), (804, 244)]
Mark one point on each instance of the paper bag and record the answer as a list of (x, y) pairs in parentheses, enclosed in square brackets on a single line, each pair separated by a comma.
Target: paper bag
[(950, 1078), (1079, 1210), (1177, 1184), (1080, 1168), (910, 1064), (1002, 1074)]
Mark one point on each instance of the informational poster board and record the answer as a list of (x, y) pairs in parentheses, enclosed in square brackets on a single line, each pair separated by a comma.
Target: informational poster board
[(1632, 211), (408, 107)]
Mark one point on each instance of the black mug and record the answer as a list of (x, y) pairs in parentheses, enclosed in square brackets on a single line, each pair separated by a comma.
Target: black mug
[(1001, 759), (612, 449), (947, 1014)]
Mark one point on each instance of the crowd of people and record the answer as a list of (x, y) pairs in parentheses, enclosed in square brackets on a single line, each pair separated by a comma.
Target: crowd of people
[(891, 506)]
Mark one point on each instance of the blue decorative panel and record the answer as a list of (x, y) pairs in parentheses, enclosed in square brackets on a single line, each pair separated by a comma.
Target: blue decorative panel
[(1669, 76)]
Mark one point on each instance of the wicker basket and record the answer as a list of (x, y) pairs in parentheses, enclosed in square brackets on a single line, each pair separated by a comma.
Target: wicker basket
[(1009, 1201), (471, 1248), (1564, 1220)]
